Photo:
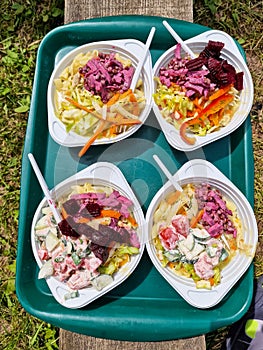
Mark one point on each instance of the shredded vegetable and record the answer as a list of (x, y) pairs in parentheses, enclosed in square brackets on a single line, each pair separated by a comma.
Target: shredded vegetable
[(197, 232), (186, 90), (97, 236), (92, 81)]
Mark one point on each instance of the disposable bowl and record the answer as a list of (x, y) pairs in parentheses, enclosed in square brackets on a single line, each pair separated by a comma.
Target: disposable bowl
[(104, 174), (233, 56), (199, 171), (128, 49)]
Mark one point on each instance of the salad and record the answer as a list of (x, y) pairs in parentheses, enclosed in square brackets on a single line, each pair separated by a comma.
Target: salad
[(95, 239), (93, 93), (197, 232), (199, 95)]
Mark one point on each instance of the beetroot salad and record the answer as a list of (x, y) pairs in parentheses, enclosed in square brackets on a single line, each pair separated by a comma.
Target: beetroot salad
[(199, 95), (95, 239)]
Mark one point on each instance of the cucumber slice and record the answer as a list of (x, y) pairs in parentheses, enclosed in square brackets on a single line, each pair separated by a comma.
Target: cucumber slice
[(173, 255), (190, 255), (70, 247), (71, 295), (224, 255), (211, 251), (182, 248), (46, 270), (52, 241), (42, 223), (198, 249), (200, 234), (189, 242)]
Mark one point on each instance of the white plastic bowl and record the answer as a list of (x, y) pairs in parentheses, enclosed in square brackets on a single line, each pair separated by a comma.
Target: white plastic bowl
[(198, 171), (129, 49), (105, 174), (231, 53)]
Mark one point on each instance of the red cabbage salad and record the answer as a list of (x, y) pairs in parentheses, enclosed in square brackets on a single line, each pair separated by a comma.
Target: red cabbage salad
[(197, 232), (95, 80), (198, 95), (96, 238)]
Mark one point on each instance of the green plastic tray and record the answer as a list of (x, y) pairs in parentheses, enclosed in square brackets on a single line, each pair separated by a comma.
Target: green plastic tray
[(145, 307)]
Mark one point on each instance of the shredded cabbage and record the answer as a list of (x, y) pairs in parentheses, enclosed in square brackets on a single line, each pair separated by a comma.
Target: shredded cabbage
[(70, 84), (176, 108)]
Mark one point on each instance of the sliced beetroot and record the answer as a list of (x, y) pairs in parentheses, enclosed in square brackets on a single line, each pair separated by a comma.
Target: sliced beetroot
[(214, 66), (215, 47), (195, 63), (219, 72), (91, 210), (124, 236), (67, 227), (239, 81), (99, 251), (212, 49), (228, 68), (108, 233)]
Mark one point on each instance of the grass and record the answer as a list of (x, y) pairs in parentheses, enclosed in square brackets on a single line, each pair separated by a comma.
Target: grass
[(23, 25)]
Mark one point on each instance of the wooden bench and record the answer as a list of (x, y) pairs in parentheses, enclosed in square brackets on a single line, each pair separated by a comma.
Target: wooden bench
[(76, 10)]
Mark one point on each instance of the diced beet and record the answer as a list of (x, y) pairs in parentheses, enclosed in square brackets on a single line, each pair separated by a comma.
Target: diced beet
[(227, 67), (215, 47), (67, 227), (194, 87), (91, 210), (215, 230), (105, 75), (214, 66), (216, 214), (239, 81), (99, 251)]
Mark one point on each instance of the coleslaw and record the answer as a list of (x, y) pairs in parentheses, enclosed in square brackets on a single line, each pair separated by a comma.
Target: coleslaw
[(94, 81)]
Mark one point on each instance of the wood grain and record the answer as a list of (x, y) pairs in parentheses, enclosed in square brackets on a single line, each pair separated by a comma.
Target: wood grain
[(74, 341), (76, 10)]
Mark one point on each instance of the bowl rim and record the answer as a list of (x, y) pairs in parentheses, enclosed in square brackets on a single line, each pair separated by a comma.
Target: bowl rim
[(194, 170)]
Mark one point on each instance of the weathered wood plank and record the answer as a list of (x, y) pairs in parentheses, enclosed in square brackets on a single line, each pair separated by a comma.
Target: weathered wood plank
[(70, 341), (76, 10), (82, 9)]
